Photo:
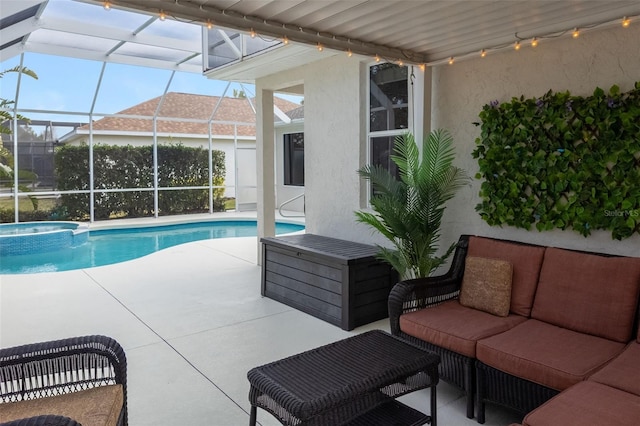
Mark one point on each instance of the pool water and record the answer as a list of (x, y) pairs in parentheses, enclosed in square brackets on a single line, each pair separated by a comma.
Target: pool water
[(108, 246)]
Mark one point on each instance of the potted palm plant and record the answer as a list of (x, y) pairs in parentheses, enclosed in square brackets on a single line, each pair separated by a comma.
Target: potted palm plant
[(408, 210)]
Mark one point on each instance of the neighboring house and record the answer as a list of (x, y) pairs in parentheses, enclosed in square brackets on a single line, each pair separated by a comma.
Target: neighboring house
[(185, 119)]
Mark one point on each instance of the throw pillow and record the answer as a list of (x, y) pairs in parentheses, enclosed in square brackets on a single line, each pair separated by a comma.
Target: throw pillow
[(486, 285)]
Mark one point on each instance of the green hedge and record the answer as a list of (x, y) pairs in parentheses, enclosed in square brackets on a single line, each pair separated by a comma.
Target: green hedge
[(118, 167), (562, 161)]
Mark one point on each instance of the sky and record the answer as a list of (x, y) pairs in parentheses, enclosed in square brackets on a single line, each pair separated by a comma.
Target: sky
[(70, 84)]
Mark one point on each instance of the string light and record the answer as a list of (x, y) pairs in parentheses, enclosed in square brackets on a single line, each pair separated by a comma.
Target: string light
[(107, 5), (625, 22), (163, 15)]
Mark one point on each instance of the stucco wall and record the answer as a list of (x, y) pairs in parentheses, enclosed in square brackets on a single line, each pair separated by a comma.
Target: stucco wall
[(335, 132), (598, 58), (334, 98)]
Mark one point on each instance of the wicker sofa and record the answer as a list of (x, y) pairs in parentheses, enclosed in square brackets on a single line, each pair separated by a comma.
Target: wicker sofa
[(567, 316), (80, 379)]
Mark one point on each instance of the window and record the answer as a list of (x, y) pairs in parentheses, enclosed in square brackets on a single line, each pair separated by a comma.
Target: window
[(388, 111), (294, 159)]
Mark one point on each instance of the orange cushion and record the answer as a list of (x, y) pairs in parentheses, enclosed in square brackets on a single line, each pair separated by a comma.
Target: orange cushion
[(588, 293), (545, 354), (623, 372), (486, 285), (99, 406), (587, 403), (455, 327), (526, 261)]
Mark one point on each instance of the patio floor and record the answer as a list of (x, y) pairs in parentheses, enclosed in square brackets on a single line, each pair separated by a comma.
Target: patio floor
[(192, 323)]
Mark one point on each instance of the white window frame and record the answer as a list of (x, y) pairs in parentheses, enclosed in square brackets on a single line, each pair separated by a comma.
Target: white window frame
[(387, 133)]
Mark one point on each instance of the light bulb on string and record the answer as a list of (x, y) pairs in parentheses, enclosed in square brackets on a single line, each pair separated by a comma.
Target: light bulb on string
[(377, 58), (349, 53), (534, 42), (319, 47), (483, 53), (626, 22), (576, 33), (252, 33), (451, 60), (209, 24), (285, 40), (163, 15), (517, 45), (107, 5)]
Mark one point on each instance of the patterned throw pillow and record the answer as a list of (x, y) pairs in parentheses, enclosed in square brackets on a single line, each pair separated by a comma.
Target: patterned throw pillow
[(486, 285)]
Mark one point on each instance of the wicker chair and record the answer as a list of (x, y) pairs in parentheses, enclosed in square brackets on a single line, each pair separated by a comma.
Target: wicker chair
[(412, 295), (51, 369)]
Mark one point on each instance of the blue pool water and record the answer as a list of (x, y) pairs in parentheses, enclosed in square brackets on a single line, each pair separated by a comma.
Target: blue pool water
[(108, 246)]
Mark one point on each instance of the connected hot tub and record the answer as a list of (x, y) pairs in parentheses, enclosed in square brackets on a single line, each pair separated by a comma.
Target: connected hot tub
[(40, 237)]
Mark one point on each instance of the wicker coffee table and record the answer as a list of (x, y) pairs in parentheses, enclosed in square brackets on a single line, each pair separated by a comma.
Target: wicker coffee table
[(350, 382)]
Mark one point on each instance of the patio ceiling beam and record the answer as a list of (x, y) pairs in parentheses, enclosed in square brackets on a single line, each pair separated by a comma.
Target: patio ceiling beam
[(191, 10)]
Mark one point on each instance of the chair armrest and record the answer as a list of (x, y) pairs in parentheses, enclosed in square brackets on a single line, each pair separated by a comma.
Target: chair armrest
[(412, 295), (62, 366)]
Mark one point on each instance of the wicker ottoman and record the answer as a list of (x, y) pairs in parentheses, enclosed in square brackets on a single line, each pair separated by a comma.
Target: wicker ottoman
[(350, 382)]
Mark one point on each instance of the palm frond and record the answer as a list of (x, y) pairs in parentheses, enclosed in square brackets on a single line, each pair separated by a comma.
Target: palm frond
[(409, 210)]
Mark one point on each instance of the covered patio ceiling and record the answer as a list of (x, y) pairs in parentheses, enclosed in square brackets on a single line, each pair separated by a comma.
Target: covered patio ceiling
[(411, 31)]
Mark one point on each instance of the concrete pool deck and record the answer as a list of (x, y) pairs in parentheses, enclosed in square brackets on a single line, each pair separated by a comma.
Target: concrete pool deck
[(192, 323)]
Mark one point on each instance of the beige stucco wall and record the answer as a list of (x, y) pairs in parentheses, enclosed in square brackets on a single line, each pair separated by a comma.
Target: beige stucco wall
[(334, 99), (596, 59), (335, 129)]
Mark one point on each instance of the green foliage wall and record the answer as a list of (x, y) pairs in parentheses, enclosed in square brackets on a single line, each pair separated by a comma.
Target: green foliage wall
[(562, 161), (117, 167)]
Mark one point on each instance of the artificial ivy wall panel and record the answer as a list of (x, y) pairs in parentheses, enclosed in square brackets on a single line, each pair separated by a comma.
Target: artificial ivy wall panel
[(562, 161)]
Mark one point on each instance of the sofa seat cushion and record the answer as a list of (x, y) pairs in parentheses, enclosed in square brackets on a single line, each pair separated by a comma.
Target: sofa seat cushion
[(455, 327), (588, 293), (526, 261), (98, 406), (623, 372), (587, 403), (546, 354)]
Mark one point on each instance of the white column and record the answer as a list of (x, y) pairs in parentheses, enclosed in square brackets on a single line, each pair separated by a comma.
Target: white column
[(265, 148), (421, 93)]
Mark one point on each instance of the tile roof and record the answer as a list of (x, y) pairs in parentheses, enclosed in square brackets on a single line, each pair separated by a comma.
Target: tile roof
[(189, 106)]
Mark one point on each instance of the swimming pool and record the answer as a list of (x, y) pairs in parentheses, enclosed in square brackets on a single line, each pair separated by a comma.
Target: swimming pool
[(108, 246)]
